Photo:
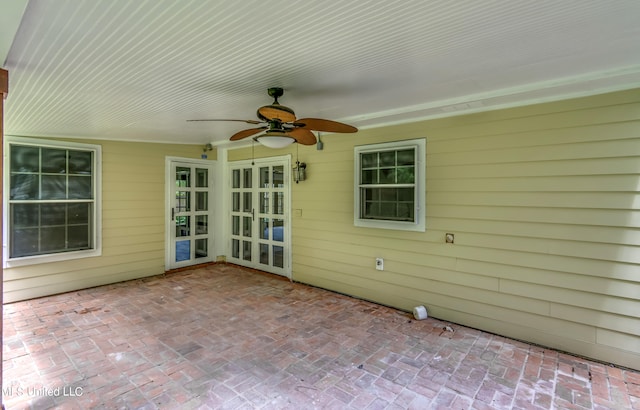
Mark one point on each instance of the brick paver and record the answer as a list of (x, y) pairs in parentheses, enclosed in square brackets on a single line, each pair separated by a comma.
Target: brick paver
[(222, 336)]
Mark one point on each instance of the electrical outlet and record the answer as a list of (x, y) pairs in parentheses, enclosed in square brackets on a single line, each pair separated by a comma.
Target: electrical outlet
[(379, 264)]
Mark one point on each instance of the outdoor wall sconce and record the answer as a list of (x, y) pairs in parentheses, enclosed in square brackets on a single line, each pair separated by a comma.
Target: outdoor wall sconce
[(206, 148), (299, 171)]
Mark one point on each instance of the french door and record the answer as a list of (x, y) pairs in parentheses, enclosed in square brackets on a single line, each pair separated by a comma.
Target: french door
[(190, 213), (260, 215)]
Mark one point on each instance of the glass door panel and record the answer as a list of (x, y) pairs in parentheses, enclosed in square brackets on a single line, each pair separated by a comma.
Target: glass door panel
[(190, 240), (259, 219)]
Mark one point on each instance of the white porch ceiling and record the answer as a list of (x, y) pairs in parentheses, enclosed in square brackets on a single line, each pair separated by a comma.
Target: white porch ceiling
[(137, 70)]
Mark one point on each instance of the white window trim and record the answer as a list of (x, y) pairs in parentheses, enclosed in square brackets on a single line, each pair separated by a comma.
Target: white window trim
[(97, 216), (419, 224)]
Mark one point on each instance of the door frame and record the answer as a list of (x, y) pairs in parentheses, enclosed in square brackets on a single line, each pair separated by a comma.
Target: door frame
[(168, 201), (256, 163)]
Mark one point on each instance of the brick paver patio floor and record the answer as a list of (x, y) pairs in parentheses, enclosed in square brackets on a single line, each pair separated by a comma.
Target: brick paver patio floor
[(222, 336)]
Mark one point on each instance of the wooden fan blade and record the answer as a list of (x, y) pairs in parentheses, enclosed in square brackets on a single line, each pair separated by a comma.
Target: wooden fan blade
[(276, 112), (318, 124), (302, 136), (246, 133), (255, 122)]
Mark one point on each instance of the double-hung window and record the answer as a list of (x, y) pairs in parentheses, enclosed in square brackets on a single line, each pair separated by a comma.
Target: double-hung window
[(390, 185), (52, 203)]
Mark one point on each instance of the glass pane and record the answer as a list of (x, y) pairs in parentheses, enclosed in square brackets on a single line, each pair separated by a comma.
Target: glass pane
[(80, 162), (388, 210), (264, 177), (246, 250), (278, 230), (25, 159), (369, 176), (183, 177), (183, 201), (264, 228), (246, 176), (278, 176), (54, 161), (387, 176), (235, 197), (235, 248), (183, 251), (78, 237), (183, 226), (201, 248), (52, 239), (235, 178), (264, 202), (405, 211), (387, 158), (25, 215), (78, 213), (369, 160), (54, 187), (278, 256), (202, 224), (246, 226), (24, 242), (371, 210), (406, 194), (235, 225), (405, 175), (406, 157), (80, 187), (388, 194), (278, 203), (53, 214), (264, 253), (24, 186), (247, 203), (372, 194), (202, 201), (202, 178)]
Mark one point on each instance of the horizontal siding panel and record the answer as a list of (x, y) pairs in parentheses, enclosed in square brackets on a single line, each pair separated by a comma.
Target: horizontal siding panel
[(594, 267), (126, 231), (546, 137), (132, 224), (621, 218), (608, 252), (606, 200), (157, 238), (599, 319), (59, 286), (619, 340), (604, 284), (138, 205), (555, 152), (116, 269), (624, 307), (568, 184), (138, 249), (557, 231), (551, 121), (593, 166)]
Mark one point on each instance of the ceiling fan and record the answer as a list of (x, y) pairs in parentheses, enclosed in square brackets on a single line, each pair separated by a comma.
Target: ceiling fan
[(280, 127)]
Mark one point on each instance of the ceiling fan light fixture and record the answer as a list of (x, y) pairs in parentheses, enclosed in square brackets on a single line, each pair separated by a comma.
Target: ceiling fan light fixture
[(275, 140)]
